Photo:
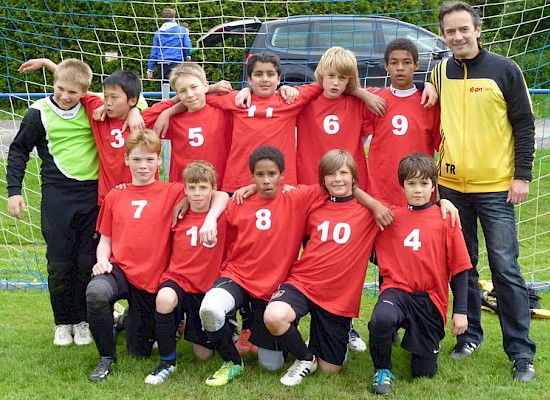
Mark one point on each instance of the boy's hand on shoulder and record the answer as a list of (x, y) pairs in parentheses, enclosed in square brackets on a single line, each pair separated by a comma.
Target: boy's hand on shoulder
[(287, 188), (162, 124), (37, 63), (449, 208), (221, 87), (179, 210), (382, 215), (209, 232), (134, 120), (244, 192), (102, 267), (429, 95), (122, 186), (99, 113), (15, 203), (289, 93), (376, 104), (459, 324), (243, 98)]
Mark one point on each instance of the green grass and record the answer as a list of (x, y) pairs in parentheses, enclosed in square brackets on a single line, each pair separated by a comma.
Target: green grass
[(33, 368)]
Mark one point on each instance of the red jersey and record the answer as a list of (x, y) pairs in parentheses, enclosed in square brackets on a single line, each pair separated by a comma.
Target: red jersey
[(110, 141), (331, 271), (405, 128), (201, 135), (326, 124), (138, 219), (267, 238), (194, 266), (419, 252), (268, 121)]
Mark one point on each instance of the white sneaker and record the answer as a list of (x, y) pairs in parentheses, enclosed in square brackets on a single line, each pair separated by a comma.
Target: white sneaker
[(63, 335), (81, 334), (163, 371), (298, 371), (355, 342)]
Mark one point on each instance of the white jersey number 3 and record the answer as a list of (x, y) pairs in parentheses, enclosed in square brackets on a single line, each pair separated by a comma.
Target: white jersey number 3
[(413, 240)]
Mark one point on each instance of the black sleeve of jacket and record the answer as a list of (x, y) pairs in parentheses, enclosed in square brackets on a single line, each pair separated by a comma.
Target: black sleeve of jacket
[(459, 286), (26, 139), (521, 117)]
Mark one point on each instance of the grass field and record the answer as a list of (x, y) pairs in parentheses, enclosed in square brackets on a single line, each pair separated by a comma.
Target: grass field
[(32, 368)]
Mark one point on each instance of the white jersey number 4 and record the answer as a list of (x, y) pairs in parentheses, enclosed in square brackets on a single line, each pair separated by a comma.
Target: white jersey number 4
[(413, 240)]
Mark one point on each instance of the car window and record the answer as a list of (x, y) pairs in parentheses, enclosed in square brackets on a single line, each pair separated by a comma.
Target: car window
[(423, 41), (357, 36), (292, 36)]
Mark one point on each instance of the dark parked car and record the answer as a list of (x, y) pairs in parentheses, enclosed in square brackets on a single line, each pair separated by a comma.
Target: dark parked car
[(300, 41)]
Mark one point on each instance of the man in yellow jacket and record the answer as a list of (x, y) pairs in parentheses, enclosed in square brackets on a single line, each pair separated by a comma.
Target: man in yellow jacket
[(486, 157)]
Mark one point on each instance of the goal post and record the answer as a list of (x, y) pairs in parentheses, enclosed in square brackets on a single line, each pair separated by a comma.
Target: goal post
[(118, 34)]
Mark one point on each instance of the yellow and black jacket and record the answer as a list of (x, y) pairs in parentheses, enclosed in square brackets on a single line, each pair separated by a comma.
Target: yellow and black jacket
[(487, 123)]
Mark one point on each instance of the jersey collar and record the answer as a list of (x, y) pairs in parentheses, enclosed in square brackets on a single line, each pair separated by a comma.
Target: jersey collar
[(340, 199), (424, 207), (403, 93)]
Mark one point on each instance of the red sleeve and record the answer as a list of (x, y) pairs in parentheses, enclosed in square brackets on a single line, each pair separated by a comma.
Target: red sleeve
[(309, 92), (225, 102), (91, 102), (151, 114), (458, 259)]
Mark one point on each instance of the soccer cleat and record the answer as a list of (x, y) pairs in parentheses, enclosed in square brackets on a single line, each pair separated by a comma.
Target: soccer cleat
[(102, 370), (463, 350), (118, 310), (523, 370), (243, 344), (81, 332), (225, 374), (298, 371), (355, 342), (161, 373), (381, 384), (63, 335), (120, 313)]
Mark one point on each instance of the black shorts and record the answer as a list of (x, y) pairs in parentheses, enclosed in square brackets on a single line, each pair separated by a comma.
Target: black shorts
[(328, 332), (188, 308), (259, 336), (140, 322), (421, 319)]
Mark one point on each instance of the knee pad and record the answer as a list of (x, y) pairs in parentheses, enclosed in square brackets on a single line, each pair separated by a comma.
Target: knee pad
[(99, 290), (214, 307), (272, 360)]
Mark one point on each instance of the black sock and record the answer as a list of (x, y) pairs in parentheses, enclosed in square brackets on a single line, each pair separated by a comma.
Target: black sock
[(223, 343), (292, 341), (165, 331)]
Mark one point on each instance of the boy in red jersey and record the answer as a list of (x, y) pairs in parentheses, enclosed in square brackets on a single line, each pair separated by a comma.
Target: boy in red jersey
[(130, 265), (201, 133), (193, 268), (406, 127), (334, 120), (327, 281), (268, 120), (417, 256), (122, 91), (258, 260)]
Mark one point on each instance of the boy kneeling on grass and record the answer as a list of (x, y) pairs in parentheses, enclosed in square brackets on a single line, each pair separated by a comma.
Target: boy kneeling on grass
[(417, 256), (132, 254)]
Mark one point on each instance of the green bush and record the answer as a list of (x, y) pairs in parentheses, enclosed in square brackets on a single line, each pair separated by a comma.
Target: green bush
[(89, 29)]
